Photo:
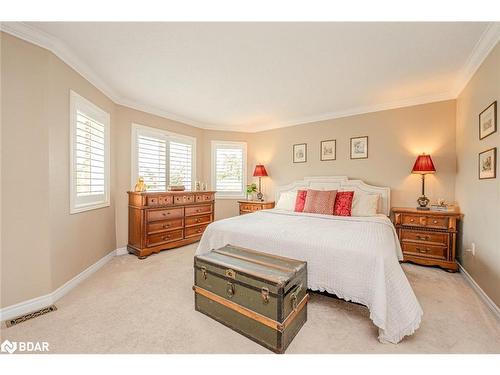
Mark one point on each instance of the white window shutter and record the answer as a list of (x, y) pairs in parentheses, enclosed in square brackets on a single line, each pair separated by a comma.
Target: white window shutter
[(229, 169), (89, 164)]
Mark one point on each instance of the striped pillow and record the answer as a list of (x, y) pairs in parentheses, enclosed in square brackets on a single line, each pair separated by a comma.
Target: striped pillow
[(320, 202)]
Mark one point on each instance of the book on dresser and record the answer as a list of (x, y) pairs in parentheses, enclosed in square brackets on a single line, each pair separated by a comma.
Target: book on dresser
[(165, 220)]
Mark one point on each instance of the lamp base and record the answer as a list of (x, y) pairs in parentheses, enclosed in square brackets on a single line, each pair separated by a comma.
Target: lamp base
[(423, 201)]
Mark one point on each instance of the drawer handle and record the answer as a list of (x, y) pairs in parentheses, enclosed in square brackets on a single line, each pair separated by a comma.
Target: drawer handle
[(165, 213), (166, 226), (165, 238), (198, 220), (434, 221), (412, 220), (423, 238), (423, 251), (199, 230)]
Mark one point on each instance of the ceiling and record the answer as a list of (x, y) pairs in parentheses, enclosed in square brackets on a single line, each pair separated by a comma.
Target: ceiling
[(257, 76)]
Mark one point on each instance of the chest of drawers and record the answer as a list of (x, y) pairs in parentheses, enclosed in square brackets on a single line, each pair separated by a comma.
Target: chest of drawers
[(428, 237), (165, 220)]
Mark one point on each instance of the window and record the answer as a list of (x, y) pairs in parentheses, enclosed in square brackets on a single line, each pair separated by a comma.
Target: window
[(229, 169), (89, 148), (162, 158)]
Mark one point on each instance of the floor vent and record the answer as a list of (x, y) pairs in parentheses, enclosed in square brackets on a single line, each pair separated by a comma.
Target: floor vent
[(31, 315)]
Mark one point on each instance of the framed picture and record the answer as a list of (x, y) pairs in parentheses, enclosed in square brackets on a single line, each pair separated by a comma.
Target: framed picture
[(328, 150), (488, 164), (300, 153), (488, 121), (359, 148)]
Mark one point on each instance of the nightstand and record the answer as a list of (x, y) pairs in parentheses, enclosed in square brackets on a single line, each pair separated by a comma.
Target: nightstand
[(428, 237), (247, 207)]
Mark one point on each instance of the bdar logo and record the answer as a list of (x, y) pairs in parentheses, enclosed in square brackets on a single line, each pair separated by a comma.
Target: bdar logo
[(8, 347)]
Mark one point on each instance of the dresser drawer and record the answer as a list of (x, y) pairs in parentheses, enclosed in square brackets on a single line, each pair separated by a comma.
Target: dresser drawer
[(198, 210), (173, 213), (205, 197), (424, 250), (183, 199), (164, 226), (423, 236), (165, 200), (250, 207), (195, 231), (161, 238), (197, 220), (439, 222)]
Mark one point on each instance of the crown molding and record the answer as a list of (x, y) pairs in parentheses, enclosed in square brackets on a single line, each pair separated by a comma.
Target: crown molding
[(481, 50), (42, 39), (449, 95), (60, 49)]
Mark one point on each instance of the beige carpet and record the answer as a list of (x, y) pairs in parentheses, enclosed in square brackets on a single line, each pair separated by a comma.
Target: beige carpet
[(134, 306)]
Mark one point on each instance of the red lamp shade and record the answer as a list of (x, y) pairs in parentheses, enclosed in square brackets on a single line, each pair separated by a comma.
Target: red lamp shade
[(423, 165), (260, 171)]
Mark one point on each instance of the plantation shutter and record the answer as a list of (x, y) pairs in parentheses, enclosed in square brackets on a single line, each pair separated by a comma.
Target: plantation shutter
[(151, 161), (181, 163), (89, 151), (229, 167)]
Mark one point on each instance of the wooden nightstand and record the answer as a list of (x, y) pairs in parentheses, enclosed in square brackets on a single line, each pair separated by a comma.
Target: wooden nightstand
[(247, 207), (428, 237)]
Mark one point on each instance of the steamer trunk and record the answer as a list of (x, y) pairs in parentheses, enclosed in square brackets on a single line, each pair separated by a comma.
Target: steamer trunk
[(261, 296)]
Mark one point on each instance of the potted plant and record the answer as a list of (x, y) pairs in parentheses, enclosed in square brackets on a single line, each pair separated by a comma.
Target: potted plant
[(251, 189)]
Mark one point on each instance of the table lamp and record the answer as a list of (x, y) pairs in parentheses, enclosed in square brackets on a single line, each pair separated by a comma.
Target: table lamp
[(423, 165), (260, 171)]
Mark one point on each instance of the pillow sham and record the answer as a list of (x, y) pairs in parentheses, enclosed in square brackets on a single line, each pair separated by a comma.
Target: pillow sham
[(300, 200), (320, 201), (343, 203), (364, 204), (286, 201)]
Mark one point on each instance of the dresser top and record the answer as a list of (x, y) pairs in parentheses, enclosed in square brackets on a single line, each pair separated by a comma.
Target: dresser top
[(255, 202), (170, 192), (412, 210)]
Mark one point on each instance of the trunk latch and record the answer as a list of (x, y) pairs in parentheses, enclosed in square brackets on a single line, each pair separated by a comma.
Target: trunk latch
[(264, 292), (203, 270)]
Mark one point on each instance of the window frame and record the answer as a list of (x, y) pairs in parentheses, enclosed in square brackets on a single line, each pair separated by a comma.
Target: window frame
[(227, 195), (78, 102), (169, 136)]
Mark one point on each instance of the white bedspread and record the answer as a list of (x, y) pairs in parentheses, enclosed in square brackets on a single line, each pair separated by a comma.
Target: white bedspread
[(355, 258)]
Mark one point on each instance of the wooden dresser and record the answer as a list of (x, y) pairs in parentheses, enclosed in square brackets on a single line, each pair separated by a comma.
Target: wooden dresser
[(428, 237), (165, 220), (247, 207)]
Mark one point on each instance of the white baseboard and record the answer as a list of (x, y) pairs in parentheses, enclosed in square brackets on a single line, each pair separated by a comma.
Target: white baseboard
[(480, 292), (37, 303), (121, 251)]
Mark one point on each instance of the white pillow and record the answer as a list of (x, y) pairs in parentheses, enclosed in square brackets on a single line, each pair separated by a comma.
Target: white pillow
[(364, 204), (287, 201)]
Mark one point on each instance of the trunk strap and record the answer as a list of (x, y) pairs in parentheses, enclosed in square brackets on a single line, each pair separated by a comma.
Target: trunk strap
[(252, 314)]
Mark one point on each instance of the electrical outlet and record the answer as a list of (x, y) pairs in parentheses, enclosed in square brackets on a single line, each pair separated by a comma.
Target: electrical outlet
[(473, 249)]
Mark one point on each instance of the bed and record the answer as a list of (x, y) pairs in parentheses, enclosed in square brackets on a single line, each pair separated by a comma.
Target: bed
[(354, 258)]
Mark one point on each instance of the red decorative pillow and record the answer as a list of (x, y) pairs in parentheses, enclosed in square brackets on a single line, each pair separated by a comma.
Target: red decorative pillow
[(343, 203), (300, 201), (320, 201)]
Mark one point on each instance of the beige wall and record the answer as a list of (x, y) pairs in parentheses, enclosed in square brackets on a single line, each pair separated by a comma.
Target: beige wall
[(396, 137), (479, 199), (122, 140), (26, 261)]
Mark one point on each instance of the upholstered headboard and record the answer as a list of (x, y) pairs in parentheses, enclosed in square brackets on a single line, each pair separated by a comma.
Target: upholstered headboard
[(341, 183)]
